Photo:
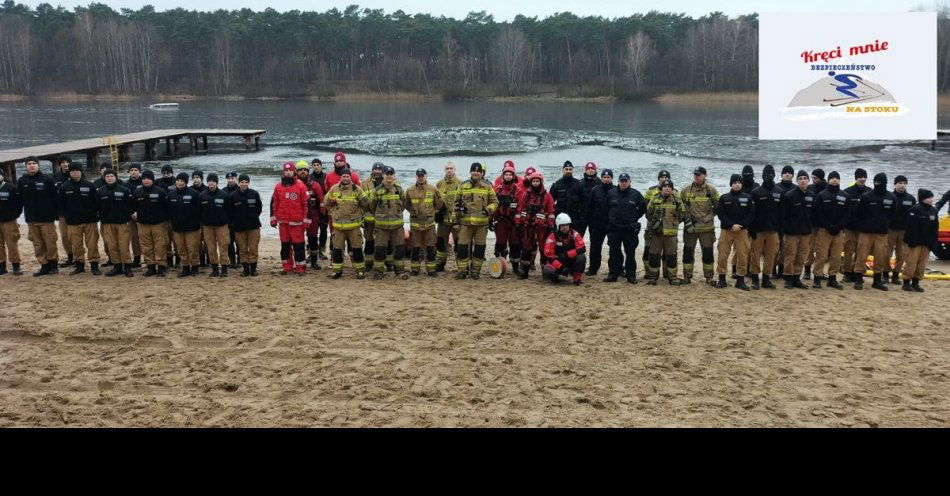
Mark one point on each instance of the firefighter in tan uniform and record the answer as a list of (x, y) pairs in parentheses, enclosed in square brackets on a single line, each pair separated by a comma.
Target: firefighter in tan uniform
[(665, 211), (423, 200), (445, 218), (700, 199), (369, 221), (474, 204), (387, 203), (346, 203)]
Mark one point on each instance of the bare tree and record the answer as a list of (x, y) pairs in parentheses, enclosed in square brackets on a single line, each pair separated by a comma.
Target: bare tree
[(512, 54), (639, 51)]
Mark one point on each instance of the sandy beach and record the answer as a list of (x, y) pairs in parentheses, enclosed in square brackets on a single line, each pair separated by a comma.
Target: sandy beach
[(308, 351)]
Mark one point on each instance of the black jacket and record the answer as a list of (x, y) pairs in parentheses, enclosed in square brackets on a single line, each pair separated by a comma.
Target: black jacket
[(589, 183), (905, 200), (569, 197), (166, 183), (943, 201), (625, 208), (10, 206), (922, 226), (735, 208), (875, 212), (817, 188), (184, 209), (831, 210), (245, 210), (785, 187), (79, 201), (230, 189), (59, 177), (796, 211), (748, 189), (214, 207), (151, 205), (768, 209), (132, 184), (115, 204), (597, 207), (200, 189), (854, 198), (38, 195), (320, 178)]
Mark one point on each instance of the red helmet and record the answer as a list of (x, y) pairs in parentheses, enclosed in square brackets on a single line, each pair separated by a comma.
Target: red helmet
[(535, 175), (529, 171), (289, 166), (509, 163), (509, 167), (339, 156)]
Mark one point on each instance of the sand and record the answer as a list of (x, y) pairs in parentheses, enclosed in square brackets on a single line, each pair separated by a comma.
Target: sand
[(308, 351)]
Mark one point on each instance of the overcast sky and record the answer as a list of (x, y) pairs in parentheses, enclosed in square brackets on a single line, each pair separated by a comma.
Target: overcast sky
[(507, 9)]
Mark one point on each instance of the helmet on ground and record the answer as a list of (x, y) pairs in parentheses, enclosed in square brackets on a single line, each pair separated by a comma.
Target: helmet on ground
[(561, 219)]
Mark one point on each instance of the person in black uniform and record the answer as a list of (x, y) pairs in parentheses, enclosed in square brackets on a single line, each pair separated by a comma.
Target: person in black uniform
[(320, 177), (132, 183), (785, 185), (597, 209), (80, 205), (625, 207), (185, 213), (167, 182), (60, 176), (829, 218), (748, 179), (854, 193), (736, 211), (115, 211), (920, 234), (874, 213), (151, 213), (797, 207), (570, 197), (895, 234), (245, 216), (214, 225), (231, 187), (10, 209), (589, 181), (197, 184), (817, 186), (765, 229), (38, 194)]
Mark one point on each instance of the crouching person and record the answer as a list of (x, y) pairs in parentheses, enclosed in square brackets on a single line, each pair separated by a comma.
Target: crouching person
[(565, 252)]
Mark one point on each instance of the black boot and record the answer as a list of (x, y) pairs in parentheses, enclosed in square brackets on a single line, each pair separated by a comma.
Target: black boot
[(797, 282), (185, 271), (755, 280), (253, 269), (3, 268), (895, 277), (16, 270), (161, 271), (44, 270), (68, 262), (116, 270), (807, 276), (788, 282), (80, 268), (194, 271), (858, 280), (722, 281), (610, 278), (214, 271), (440, 267), (150, 272), (137, 262), (915, 285), (848, 277), (314, 261), (170, 260), (833, 282), (54, 267), (94, 268), (816, 283), (767, 282), (740, 284), (247, 270), (906, 286), (878, 284), (224, 271), (127, 270)]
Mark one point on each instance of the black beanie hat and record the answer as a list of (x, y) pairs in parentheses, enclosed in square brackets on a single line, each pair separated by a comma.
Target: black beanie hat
[(819, 173), (135, 166), (107, 172), (199, 174), (567, 163), (32, 158), (663, 173), (747, 169), (63, 158), (923, 194), (768, 169), (788, 169), (801, 173), (148, 174), (859, 173), (73, 166), (212, 177), (900, 179), (344, 171), (880, 177), (183, 176), (167, 168), (834, 175), (244, 177), (666, 182), (735, 178)]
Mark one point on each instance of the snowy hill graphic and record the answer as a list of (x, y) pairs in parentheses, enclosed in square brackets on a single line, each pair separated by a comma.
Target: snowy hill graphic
[(825, 93)]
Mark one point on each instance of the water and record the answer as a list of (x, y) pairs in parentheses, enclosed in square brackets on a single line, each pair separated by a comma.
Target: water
[(639, 139)]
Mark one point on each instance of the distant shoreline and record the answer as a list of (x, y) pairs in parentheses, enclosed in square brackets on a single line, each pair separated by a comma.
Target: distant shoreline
[(680, 98)]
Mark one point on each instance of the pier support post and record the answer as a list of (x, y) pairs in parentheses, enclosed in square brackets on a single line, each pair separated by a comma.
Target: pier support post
[(177, 146), (204, 141), (247, 142), (257, 143), (168, 146), (92, 160), (194, 145)]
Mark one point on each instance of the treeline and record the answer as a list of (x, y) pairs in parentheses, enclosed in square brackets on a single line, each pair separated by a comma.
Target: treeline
[(98, 50)]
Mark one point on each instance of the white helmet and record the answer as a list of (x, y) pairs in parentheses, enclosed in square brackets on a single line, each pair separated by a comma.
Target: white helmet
[(562, 218)]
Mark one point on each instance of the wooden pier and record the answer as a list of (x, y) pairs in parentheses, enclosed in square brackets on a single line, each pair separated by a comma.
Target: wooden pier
[(93, 148)]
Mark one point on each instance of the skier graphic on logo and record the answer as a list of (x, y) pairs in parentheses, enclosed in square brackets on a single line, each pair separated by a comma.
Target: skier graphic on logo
[(850, 82)]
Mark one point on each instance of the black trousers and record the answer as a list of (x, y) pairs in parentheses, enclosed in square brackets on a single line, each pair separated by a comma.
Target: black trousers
[(623, 243), (597, 236)]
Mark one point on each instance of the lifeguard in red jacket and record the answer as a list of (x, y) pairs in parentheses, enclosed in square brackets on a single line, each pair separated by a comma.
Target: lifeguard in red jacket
[(290, 213)]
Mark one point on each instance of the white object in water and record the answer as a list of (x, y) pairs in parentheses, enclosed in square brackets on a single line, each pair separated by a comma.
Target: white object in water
[(173, 106)]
